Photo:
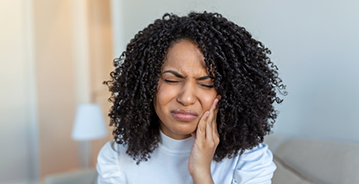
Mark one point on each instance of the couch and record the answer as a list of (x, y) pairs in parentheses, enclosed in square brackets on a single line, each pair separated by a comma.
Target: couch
[(84, 176), (312, 161)]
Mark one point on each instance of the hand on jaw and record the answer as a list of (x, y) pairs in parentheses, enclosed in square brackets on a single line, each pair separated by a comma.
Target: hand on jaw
[(205, 144)]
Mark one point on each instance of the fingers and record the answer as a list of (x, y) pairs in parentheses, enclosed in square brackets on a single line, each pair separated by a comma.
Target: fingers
[(212, 111), (201, 128), (212, 133), (211, 121), (206, 141), (215, 131), (207, 126)]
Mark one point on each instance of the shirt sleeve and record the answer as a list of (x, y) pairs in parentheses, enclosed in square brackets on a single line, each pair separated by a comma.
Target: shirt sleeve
[(107, 165), (255, 166)]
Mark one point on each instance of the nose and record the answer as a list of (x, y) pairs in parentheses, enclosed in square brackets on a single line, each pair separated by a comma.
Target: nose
[(187, 95)]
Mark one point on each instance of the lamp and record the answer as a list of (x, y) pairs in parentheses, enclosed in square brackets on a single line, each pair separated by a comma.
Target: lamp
[(89, 124)]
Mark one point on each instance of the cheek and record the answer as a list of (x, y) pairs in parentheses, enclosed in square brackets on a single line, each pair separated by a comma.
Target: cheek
[(208, 99), (164, 95)]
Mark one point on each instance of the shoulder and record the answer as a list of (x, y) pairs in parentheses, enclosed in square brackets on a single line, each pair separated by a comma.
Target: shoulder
[(107, 163), (255, 166)]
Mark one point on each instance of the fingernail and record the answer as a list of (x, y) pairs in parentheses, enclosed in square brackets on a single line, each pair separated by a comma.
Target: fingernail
[(216, 101), (206, 113)]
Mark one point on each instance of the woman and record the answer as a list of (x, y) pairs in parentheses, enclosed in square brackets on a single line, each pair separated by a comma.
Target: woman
[(192, 102)]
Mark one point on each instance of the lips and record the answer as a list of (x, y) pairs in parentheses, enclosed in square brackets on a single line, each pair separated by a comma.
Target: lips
[(184, 115)]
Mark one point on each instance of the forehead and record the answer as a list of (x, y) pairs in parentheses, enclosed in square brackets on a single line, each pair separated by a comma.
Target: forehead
[(185, 56)]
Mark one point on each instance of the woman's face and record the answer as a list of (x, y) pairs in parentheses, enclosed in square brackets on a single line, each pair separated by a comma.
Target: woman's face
[(185, 91)]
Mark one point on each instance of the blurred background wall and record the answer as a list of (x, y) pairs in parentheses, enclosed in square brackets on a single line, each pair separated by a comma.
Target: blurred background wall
[(55, 54), (18, 130)]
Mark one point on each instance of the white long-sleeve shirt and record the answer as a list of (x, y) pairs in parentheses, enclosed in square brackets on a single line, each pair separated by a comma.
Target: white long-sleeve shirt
[(169, 165)]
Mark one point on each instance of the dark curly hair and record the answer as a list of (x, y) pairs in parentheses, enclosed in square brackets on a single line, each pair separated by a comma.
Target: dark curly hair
[(243, 75)]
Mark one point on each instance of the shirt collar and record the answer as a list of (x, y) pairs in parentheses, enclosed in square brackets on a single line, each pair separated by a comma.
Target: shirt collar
[(176, 146)]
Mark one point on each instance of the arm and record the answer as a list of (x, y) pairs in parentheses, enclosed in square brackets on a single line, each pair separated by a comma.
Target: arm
[(107, 166), (255, 166)]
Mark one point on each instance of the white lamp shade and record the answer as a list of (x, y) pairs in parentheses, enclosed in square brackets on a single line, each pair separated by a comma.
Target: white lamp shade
[(89, 123)]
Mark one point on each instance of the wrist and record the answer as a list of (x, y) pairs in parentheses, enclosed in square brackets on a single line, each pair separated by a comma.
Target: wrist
[(202, 177), (199, 172)]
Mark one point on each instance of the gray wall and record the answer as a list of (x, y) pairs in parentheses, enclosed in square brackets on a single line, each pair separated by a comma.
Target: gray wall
[(314, 43)]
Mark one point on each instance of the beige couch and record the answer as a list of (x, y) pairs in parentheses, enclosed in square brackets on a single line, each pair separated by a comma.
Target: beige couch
[(85, 176), (309, 161)]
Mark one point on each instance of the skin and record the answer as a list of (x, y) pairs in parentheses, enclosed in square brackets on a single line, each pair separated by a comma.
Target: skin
[(184, 84)]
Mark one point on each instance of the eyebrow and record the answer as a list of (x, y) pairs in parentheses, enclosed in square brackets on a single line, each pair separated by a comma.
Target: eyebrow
[(182, 77)]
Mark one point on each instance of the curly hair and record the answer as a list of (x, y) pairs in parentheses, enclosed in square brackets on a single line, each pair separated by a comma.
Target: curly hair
[(243, 75)]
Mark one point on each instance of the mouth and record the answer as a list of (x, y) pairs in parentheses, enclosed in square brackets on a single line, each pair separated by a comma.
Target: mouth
[(184, 115)]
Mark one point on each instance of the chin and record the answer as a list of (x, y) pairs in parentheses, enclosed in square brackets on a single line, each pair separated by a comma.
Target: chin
[(179, 131), (184, 130)]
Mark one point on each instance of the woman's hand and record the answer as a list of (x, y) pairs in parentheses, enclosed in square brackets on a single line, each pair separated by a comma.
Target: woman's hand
[(205, 144)]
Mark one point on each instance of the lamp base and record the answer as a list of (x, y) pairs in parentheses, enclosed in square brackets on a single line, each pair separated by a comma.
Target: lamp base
[(84, 150)]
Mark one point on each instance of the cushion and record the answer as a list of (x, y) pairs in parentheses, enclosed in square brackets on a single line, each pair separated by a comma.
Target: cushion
[(86, 176), (320, 161), (286, 175)]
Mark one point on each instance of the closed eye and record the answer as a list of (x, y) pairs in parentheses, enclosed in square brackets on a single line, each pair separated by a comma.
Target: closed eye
[(174, 81), (171, 81), (207, 86)]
